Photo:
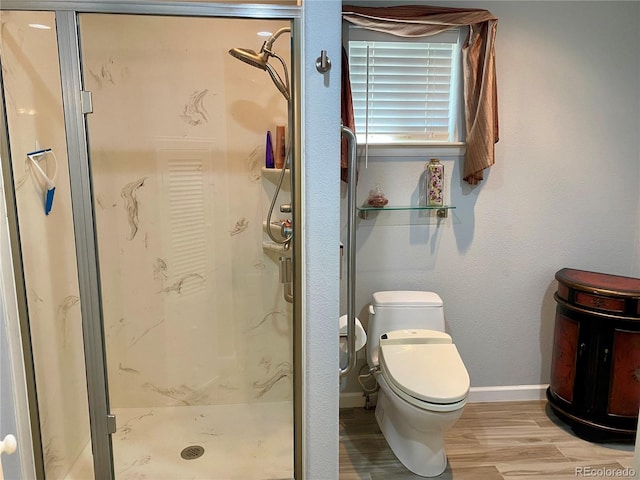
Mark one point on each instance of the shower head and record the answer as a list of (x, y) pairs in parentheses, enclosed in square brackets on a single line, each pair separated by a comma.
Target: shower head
[(261, 59), (250, 57)]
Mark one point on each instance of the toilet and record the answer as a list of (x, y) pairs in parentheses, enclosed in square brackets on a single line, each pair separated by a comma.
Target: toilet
[(423, 383)]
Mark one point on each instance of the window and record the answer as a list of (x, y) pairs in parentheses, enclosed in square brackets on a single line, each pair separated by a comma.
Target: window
[(405, 90)]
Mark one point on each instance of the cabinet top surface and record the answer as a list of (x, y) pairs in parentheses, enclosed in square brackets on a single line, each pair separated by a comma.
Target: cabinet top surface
[(601, 282)]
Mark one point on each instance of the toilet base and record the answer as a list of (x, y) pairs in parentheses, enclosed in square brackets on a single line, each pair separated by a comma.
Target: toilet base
[(415, 436)]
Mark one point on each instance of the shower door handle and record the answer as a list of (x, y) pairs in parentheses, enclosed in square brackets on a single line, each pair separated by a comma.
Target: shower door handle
[(350, 251), (286, 278)]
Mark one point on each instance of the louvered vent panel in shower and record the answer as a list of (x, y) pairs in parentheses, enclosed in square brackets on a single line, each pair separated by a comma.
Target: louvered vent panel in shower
[(187, 219)]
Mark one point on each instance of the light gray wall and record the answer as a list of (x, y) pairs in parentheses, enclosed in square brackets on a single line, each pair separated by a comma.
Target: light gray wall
[(320, 242), (563, 192)]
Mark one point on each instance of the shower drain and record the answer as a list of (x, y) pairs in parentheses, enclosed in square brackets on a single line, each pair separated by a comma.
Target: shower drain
[(192, 452)]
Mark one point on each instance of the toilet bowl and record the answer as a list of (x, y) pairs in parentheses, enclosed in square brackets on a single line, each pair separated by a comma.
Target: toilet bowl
[(423, 383)]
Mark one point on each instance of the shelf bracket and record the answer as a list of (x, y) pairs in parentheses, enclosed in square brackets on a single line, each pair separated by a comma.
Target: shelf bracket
[(440, 213)]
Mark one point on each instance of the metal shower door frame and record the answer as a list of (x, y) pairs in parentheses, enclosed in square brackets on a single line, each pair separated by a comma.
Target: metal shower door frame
[(75, 109)]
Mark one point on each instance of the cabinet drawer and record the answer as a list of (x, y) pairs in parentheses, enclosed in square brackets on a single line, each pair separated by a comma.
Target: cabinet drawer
[(599, 302)]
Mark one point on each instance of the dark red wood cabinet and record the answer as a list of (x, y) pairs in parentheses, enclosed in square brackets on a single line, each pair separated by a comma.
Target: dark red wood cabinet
[(595, 369)]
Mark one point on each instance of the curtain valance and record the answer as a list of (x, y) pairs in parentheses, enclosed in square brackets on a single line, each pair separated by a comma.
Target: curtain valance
[(479, 71)]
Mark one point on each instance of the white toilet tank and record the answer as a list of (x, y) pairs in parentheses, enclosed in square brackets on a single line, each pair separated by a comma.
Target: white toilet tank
[(401, 310)]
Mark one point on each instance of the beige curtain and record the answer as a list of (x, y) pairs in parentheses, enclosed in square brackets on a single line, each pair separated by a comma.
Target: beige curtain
[(479, 70), (346, 114)]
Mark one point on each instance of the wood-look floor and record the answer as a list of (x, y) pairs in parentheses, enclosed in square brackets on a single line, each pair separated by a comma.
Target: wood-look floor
[(491, 441)]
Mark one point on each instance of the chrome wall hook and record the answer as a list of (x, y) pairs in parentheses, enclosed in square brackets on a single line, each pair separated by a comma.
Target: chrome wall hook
[(323, 63)]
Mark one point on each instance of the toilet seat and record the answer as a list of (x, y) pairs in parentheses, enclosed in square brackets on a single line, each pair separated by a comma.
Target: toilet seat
[(425, 369)]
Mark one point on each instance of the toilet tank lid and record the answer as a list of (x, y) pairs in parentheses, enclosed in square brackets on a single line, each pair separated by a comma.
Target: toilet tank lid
[(406, 298), (414, 336)]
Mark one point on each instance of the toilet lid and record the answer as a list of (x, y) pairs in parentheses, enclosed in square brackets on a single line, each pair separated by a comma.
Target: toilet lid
[(431, 372), (406, 298)]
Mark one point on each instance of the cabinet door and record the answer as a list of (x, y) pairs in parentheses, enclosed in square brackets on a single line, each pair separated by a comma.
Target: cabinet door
[(565, 355), (624, 389)]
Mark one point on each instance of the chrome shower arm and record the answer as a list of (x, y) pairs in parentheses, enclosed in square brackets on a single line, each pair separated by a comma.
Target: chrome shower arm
[(269, 43)]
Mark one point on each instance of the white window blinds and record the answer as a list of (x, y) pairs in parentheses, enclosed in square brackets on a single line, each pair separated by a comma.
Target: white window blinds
[(403, 90)]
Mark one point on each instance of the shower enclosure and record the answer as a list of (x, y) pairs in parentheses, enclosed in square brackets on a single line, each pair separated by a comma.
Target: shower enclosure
[(152, 275)]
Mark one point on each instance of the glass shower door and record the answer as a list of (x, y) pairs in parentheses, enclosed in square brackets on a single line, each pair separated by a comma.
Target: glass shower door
[(197, 334)]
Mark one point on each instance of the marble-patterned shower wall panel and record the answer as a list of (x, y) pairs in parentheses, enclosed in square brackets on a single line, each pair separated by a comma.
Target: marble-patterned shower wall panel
[(35, 117), (193, 310)]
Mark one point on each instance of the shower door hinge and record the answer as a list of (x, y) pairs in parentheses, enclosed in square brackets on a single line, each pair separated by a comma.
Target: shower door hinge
[(85, 99), (111, 424)]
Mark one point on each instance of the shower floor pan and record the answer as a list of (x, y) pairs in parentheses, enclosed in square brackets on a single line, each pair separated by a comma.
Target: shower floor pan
[(243, 442)]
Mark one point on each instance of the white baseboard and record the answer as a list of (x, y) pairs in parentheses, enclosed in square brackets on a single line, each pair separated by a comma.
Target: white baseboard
[(506, 393), (351, 400)]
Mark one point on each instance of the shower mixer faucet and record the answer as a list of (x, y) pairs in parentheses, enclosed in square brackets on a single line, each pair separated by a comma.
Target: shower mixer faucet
[(260, 60)]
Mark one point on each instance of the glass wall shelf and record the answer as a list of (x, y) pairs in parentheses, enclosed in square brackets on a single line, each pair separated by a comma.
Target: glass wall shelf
[(441, 211), (273, 174)]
